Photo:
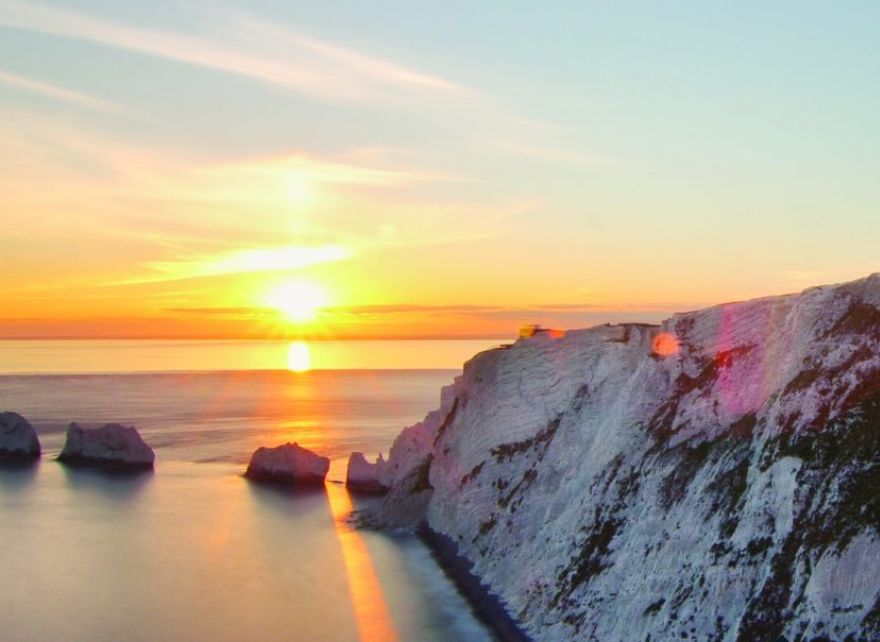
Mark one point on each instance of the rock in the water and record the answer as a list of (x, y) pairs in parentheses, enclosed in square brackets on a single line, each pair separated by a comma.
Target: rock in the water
[(113, 445), (18, 439), (364, 477), (289, 463)]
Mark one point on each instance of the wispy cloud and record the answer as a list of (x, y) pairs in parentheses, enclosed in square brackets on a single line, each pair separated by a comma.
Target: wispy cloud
[(239, 312), (288, 58), (390, 309), (398, 309), (244, 261), (184, 217), (412, 308), (555, 315), (378, 70), (456, 309), (247, 47), (58, 93), (286, 169)]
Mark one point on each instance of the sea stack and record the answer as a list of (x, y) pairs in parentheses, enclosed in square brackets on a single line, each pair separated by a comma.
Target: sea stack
[(18, 439), (288, 464), (112, 445), (365, 477)]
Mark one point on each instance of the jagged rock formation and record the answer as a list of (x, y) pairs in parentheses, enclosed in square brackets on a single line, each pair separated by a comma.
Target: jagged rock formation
[(111, 445), (716, 477), (289, 463), (18, 439), (363, 477)]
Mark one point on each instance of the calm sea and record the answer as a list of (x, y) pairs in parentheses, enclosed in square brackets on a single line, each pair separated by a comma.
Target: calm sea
[(193, 551)]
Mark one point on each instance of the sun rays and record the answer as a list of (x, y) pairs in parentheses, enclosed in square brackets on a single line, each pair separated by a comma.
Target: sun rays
[(298, 300)]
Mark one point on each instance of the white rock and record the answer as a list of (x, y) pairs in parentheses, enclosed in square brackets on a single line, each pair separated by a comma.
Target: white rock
[(111, 444), (709, 478), (289, 463), (18, 439), (363, 476)]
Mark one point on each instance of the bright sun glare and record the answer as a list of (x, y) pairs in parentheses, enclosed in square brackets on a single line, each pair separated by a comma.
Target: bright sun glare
[(298, 301), (298, 188), (298, 358)]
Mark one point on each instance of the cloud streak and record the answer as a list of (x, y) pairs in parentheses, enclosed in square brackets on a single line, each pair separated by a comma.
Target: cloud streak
[(58, 93), (412, 308), (249, 48), (554, 315), (184, 217), (241, 311), (243, 262), (284, 57)]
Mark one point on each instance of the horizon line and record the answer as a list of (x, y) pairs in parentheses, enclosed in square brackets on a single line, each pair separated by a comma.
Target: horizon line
[(427, 337)]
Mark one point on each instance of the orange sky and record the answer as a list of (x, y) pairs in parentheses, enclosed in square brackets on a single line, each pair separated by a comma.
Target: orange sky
[(158, 246), (198, 172)]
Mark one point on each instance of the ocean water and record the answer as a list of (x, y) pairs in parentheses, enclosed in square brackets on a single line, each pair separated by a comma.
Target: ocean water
[(102, 356), (193, 551)]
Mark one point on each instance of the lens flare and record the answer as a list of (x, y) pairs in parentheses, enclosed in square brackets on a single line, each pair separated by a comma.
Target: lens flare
[(665, 344)]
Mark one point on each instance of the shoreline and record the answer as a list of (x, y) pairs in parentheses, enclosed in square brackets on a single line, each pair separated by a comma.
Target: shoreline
[(486, 606)]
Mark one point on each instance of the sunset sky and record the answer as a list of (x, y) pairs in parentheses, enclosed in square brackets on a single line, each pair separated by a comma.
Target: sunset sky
[(342, 169)]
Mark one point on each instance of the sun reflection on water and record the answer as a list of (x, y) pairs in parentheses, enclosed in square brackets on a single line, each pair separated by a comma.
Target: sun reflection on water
[(371, 612), (298, 357)]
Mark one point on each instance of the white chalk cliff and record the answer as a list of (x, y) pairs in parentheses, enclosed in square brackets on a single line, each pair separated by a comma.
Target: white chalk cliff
[(716, 477)]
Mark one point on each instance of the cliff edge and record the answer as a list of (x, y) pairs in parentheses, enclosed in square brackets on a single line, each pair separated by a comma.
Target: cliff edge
[(716, 477)]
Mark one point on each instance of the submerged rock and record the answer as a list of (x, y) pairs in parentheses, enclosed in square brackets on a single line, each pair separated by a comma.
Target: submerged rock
[(365, 477), (113, 444), (18, 439), (289, 463)]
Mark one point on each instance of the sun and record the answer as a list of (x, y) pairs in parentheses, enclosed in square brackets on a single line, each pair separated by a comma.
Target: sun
[(298, 300)]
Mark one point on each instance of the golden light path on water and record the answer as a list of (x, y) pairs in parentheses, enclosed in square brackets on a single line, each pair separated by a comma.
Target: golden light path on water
[(371, 612)]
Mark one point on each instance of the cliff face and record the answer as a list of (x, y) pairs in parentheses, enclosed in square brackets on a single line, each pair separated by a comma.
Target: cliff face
[(716, 477)]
